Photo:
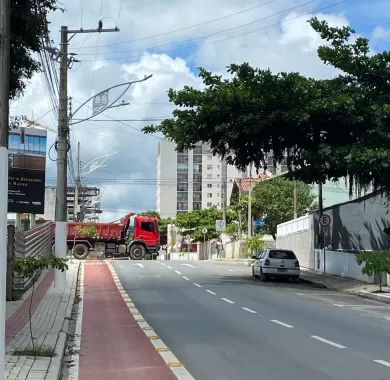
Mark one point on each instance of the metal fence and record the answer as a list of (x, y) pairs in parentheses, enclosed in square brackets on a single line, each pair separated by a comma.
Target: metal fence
[(35, 242)]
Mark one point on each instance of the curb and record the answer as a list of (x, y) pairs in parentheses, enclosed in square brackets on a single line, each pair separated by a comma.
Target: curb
[(361, 293), (55, 366), (166, 354)]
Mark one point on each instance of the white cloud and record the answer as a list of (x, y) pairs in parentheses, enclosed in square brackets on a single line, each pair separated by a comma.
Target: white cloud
[(381, 34)]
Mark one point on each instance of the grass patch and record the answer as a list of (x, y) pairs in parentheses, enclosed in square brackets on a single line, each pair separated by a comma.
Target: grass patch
[(45, 351)]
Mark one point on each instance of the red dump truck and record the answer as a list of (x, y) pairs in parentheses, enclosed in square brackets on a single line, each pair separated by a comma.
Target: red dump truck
[(134, 235)]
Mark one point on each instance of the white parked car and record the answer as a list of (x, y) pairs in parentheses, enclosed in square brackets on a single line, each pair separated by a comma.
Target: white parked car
[(276, 263)]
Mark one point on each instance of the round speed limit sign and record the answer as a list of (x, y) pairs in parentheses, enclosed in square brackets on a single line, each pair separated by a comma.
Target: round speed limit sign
[(325, 220)]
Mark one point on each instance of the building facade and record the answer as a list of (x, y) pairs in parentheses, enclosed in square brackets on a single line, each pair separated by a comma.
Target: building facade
[(191, 180)]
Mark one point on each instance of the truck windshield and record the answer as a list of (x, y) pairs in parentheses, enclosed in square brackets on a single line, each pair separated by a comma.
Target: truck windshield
[(147, 226)]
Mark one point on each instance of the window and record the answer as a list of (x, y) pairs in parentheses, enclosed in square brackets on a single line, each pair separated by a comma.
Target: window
[(182, 177), (209, 157), (289, 255), (182, 187), (209, 167), (182, 158), (209, 185), (197, 196), (209, 195), (197, 186), (209, 176), (182, 167), (147, 226), (197, 159), (197, 168), (197, 177), (209, 204), (183, 206), (182, 196), (197, 205)]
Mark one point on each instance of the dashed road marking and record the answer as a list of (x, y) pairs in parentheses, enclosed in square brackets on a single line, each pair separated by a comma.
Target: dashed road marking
[(384, 362), (210, 292), (334, 344), (347, 305), (176, 271), (281, 323), (227, 300), (198, 285), (188, 265), (140, 265), (162, 264), (186, 278), (169, 267), (249, 310)]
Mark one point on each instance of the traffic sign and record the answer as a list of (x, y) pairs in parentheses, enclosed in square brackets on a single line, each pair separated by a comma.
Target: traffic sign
[(259, 223), (220, 225), (325, 220), (204, 230)]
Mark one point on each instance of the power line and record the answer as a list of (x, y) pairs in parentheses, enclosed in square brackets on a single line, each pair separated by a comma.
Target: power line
[(216, 32), (191, 48), (119, 13)]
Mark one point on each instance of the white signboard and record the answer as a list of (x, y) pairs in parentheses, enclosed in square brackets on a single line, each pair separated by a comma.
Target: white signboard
[(220, 225)]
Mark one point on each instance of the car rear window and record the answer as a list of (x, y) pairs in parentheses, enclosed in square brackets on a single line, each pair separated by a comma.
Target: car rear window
[(282, 255)]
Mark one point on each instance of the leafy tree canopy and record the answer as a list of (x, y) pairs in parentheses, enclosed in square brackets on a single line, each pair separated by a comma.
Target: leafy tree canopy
[(374, 263), (272, 200), (28, 30), (330, 128)]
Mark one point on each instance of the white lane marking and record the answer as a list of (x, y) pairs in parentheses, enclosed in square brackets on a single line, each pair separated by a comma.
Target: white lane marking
[(231, 270), (162, 264), (249, 310), (186, 278), (176, 271), (281, 323), (328, 341), (384, 362), (198, 285), (169, 267), (209, 291), (140, 265), (188, 265), (347, 305), (227, 300)]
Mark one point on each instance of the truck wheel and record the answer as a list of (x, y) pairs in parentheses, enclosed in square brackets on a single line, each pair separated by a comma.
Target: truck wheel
[(80, 251), (137, 252)]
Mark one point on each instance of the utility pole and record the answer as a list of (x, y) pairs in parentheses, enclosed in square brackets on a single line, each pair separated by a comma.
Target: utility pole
[(250, 203), (224, 188), (4, 108), (62, 147), (76, 214), (295, 198)]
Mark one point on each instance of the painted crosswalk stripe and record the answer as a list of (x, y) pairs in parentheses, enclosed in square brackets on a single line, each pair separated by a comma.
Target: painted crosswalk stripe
[(176, 271), (198, 285), (334, 344), (209, 291), (186, 278)]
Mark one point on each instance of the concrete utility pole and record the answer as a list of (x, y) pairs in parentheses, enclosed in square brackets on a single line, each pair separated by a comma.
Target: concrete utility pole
[(76, 214), (62, 147), (295, 198), (4, 108), (224, 188), (250, 203)]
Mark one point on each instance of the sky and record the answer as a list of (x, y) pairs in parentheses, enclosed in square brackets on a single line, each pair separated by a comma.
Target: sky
[(170, 40)]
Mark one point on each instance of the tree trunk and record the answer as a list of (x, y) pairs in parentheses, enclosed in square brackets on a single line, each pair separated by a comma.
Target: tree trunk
[(10, 260)]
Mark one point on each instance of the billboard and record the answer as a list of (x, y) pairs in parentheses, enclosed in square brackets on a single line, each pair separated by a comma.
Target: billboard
[(26, 170)]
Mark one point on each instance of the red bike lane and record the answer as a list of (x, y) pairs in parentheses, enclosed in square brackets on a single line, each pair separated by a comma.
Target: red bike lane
[(113, 346)]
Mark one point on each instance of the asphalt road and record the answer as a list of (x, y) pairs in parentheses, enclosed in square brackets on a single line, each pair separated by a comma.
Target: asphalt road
[(222, 324)]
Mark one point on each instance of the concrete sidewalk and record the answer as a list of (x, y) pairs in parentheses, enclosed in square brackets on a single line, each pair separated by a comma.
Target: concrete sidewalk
[(346, 285), (51, 313)]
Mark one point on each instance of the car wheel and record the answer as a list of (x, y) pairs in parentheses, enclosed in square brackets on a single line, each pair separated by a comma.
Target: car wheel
[(263, 276), (295, 279), (80, 251), (137, 252)]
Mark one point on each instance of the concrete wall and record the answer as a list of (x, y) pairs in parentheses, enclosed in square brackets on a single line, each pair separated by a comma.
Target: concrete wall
[(235, 250), (298, 235), (340, 264)]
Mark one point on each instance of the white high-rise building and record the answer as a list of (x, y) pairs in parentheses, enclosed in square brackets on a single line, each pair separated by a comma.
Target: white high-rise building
[(191, 180)]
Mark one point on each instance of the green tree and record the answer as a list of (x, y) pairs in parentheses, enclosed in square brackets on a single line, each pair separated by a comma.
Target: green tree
[(255, 243), (152, 213), (272, 200), (163, 228), (374, 263), (31, 267), (330, 128), (28, 31)]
